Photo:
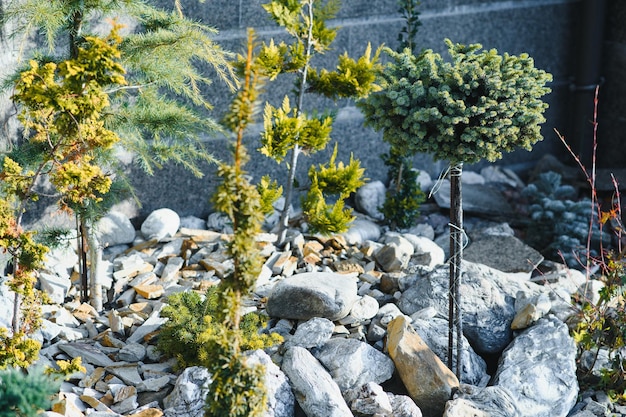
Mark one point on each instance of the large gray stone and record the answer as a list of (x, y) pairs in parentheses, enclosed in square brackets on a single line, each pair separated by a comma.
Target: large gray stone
[(87, 352), (434, 331), (395, 254), (504, 253), (313, 294), (312, 333), (477, 199), (539, 370), (187, 399), (403, 406), (470, 401), (362, 230), (7, 298), (314, 388), (353, 363), (369, 199), (487, 302), (369, 400), (280, 398), (114, 228)]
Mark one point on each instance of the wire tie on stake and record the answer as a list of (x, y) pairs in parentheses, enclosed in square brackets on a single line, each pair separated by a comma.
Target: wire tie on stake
[(465, 238), (439, 181)]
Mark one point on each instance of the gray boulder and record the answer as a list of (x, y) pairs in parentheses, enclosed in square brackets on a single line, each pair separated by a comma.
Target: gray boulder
[(312, 333), (313, 294), (314, 388), (369, 400), (160, 224), (434, 332), (369, 198), (539, 370), (487, 302), (395, 254), (187, 399), (470, 401), (362, 230), (280, 398), (113, 229), (353, 363)]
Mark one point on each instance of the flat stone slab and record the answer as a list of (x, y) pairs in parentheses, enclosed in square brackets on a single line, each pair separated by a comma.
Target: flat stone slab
[(477, 199), (504, 253)]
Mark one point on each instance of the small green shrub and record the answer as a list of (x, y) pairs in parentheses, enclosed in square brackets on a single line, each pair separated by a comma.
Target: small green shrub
[(192, 316), (26, 394), (404, 195)]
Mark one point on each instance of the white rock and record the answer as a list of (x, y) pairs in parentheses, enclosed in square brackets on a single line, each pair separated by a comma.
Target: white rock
[(365, 308), (424, 180), (370, 399), (425, 252), (187, 399), (315, 390), (395, 254), (312, 333), (6, 304), (539, 370), (160, 224), (369, 198), (280, 398), (361, 230), (113, 229), (56, 287), (353, 363)]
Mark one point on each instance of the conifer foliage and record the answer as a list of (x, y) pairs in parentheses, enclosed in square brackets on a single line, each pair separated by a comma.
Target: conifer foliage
[(475, 106), (289, 129), (212, 332), (156, 113)]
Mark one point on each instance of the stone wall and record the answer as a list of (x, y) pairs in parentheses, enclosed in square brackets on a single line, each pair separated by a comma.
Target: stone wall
[(612, 98), (545, 29)]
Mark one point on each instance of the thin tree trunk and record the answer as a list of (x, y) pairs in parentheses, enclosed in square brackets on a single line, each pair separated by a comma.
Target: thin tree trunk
[(82, 258), (455, 319), (295, 152), (95, 264)]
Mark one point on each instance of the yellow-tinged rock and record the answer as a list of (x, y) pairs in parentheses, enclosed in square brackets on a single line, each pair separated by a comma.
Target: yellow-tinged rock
[(143, 307), (67, 409), (124, 393), (429, 382), (95, 403), (149, 291), (84, 312), (348, 266), (312, 247), (149, 412), (91, 378)]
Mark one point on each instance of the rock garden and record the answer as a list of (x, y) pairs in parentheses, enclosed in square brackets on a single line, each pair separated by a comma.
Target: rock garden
[(484, 292)]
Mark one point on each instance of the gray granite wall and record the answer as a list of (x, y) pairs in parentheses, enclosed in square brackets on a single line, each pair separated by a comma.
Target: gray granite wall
[(612, 97), (545, 29), (542, 28)]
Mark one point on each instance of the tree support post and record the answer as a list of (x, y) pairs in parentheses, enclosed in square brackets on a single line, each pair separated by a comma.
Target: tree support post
[(455, 319)]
